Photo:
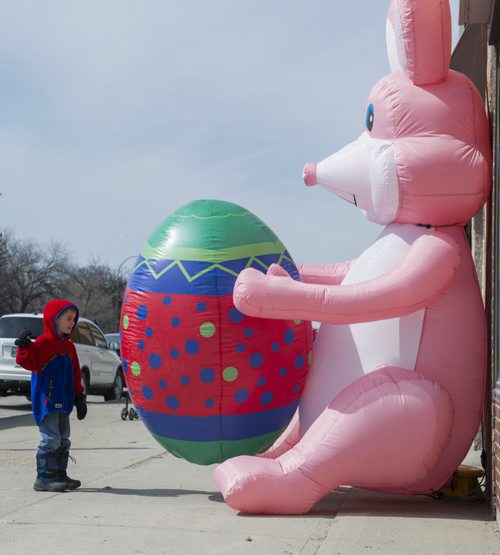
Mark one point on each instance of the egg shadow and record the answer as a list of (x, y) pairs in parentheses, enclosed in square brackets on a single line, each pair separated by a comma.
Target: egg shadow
[(156, 492)]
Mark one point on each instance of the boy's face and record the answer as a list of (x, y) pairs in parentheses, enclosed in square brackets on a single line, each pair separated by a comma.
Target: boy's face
[(66, 322)]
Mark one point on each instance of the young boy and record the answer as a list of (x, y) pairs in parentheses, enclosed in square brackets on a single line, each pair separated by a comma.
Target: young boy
[(56, 386)]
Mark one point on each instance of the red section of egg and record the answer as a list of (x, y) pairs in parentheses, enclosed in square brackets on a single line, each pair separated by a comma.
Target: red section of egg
[(199, 356)]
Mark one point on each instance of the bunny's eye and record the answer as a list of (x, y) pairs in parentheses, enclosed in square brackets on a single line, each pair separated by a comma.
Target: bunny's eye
[(370, 116)]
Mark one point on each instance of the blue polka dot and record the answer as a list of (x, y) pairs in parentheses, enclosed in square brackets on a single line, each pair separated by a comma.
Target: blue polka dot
[(256, 360), (235, 315), (174, 353), (282, 371), (142, 312), (299, 361), (261, 381), (200, 307), (125, 365), (209, 403), (240, 348), (241, 395), (289, 336), (248, 332), (275, 347), (131, 391), (147, 392), (192, 347), (149, 332), (167, 300), (175, 321), (266, 398), (141, 345), (184, 380), (297, 388), (162, 384), (172, 402), (154, 361), (207, 375)]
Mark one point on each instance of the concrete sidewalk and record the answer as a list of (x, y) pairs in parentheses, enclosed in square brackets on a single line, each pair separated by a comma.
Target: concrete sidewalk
[(136, 498)]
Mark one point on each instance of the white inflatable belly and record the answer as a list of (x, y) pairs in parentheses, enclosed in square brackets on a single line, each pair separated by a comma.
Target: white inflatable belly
[(343, 353)]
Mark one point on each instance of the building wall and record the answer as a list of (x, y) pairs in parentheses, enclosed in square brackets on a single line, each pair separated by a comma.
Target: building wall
[(491, 268), (496, 455), (480, 41)]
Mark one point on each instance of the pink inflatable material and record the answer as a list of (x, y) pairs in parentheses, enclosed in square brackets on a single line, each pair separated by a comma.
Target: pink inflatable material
[(394, 395)]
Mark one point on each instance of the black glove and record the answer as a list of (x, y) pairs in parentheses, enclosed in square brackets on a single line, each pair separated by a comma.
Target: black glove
[(24, 338), (81, 406)]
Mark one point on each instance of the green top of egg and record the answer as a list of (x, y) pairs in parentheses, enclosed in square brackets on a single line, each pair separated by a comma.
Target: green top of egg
[(212, 231)]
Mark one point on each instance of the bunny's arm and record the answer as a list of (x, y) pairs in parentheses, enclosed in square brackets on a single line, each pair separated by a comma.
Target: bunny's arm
[(420, 276), (327, 274)]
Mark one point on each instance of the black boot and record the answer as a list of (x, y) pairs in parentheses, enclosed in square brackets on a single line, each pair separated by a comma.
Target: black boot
[(47, 478), (70, 483), (62, 465)]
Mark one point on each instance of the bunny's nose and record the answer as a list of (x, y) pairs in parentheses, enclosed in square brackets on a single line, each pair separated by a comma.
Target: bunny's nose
[(309, 174)]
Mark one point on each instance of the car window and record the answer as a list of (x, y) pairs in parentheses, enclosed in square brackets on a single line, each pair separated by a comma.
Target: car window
[(82, 334), (12, 326), (99, 338), (112, 337), (75, 336)]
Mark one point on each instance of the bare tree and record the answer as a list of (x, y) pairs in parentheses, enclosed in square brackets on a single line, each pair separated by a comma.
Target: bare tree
[(98, 291), (4, 282), (30, 274)]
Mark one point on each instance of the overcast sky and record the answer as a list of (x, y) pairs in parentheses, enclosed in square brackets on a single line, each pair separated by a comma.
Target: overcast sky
[(114, 113)]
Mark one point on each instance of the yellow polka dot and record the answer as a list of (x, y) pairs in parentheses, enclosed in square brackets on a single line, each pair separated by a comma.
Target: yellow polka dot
[(207, 329), (135, 368), (125, 322), (229, 374)]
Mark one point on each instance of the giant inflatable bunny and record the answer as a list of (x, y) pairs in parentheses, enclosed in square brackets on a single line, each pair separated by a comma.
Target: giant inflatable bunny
[(394, 395)]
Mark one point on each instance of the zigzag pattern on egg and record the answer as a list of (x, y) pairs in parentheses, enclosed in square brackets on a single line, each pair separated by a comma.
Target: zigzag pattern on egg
[(177, 272)]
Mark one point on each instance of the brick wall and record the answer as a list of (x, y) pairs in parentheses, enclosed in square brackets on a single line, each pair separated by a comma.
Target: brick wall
[(496, 452), (491, 285)]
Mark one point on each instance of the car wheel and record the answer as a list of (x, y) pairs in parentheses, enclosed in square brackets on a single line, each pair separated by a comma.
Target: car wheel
[(85, 383), (116, 390)]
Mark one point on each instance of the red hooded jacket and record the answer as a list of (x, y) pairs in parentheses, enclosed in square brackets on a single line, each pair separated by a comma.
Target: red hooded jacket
[(57, 377)]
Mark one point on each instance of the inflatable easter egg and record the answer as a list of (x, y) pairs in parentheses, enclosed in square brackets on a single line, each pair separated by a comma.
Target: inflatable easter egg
[(208, 382)]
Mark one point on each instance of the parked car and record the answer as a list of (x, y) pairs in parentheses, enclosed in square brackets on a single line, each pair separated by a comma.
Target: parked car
[(113, 340), (102, 372)]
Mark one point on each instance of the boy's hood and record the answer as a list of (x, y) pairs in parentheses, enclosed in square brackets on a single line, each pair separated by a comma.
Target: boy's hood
[(53, 309)]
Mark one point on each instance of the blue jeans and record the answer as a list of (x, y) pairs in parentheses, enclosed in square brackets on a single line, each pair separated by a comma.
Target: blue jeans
[(54, 433)]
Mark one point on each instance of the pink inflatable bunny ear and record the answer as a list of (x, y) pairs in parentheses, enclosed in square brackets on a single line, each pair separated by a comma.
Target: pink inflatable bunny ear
[(419, 39)]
